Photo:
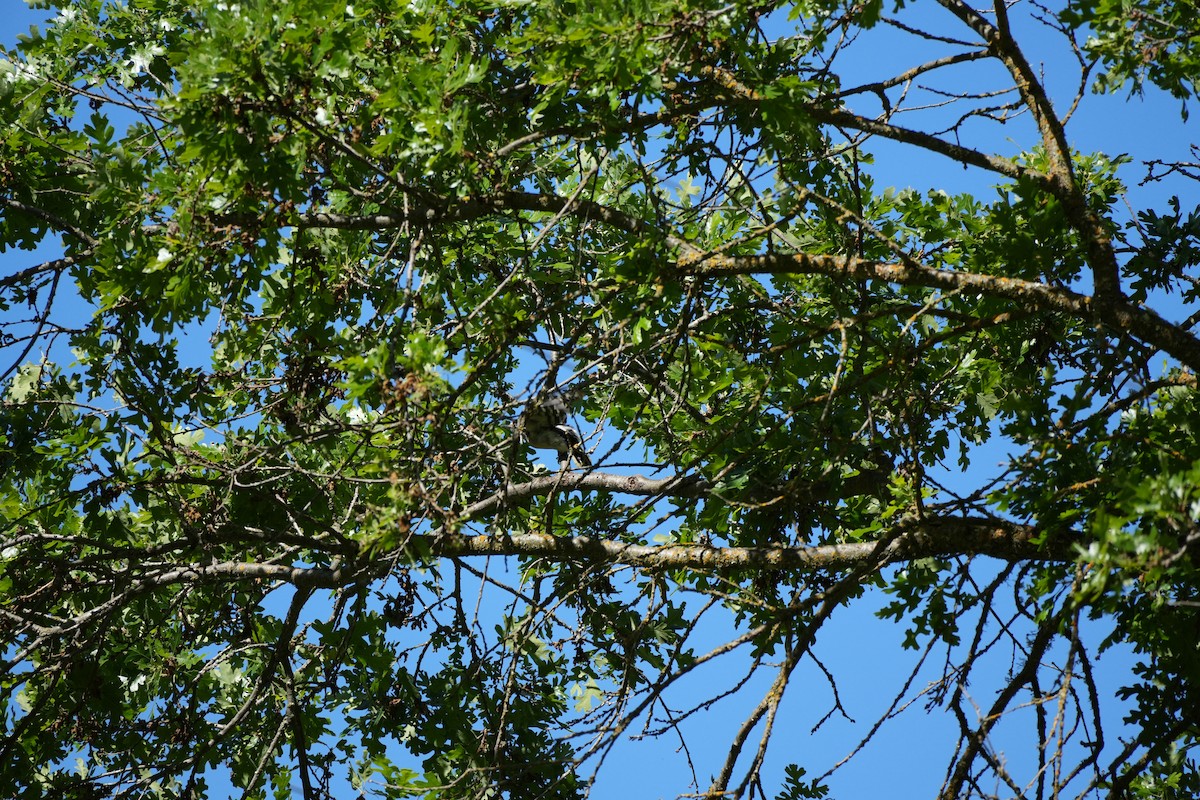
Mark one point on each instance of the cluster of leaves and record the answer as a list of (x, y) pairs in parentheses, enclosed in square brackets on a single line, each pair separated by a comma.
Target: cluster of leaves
[(314, 257), (1137, 41)]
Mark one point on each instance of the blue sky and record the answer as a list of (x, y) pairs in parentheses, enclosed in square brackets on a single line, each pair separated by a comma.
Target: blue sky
[(861, 650)]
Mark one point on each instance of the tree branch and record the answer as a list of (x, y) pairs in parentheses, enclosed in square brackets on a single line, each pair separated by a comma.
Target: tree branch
[(847, 119), (1101, 256), (932, 537), (53, 220), (961, 536), (1117, 314)]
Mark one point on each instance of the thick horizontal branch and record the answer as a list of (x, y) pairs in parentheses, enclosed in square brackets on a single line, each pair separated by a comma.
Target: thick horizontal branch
[(938, 537), (934, 536), (1119, 315), (947, 537), (230, 571), (907, 274)]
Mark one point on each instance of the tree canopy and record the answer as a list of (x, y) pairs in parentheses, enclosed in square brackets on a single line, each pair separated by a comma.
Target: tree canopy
[(280, 277)]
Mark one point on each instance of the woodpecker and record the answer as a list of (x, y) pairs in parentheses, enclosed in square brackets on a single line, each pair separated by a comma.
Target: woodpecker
[(546, 428)]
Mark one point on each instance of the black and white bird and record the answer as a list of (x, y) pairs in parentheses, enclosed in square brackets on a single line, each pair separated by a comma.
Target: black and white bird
[(546, 427)]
